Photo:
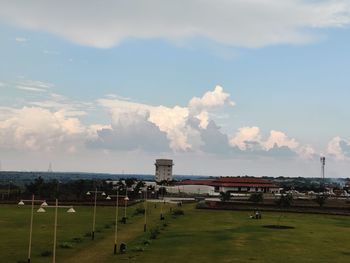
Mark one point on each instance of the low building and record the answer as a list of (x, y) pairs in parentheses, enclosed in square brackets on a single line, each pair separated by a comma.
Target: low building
[(235, 185), (164, 170)]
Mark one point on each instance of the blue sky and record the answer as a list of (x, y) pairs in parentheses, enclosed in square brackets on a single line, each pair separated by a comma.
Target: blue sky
[(294, 82)]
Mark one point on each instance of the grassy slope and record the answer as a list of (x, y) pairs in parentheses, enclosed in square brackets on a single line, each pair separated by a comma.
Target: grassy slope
[(199, 236), (14, 232), (224, 236)]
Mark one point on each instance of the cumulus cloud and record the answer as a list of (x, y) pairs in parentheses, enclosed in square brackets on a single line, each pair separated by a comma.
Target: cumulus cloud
[(280, 139), (246, 138), (339, 148), (57, 123), (276, 144), (34, 128), (175, 122), (242, 23)]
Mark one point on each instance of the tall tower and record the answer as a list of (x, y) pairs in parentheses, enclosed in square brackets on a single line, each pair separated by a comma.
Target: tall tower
[(164, 170), (323, 164)]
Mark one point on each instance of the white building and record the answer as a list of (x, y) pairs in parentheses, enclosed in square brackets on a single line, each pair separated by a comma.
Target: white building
[(164, 170)]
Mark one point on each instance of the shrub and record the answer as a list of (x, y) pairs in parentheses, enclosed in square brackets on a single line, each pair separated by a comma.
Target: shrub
[(46, 253), (201, 204), (321, 200), (139, 211), (138, 249), (87, 234), (285, 201), (66, 245), (154, 233), (178, 212), (225, 196), (146, 242), (107, 226), (77, 240), (256, 197), (21, 261)]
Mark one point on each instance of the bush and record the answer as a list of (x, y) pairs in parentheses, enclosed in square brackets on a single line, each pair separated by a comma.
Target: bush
[(178, 212), (225, 196), (66, 245), (46, 253), (321, 200), (21, 261), (256, 197), (107, 226), (87, 234), (139, 211), (146, 242), (201, 204), (77, 240), (285, 201), (138, 249), (154, 233)]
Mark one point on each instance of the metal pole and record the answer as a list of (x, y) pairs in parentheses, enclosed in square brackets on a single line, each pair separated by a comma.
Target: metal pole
[(55, 234), (126, 201), (145, 225), (116, 224), (9, 190), (94, 217), (31, 230)]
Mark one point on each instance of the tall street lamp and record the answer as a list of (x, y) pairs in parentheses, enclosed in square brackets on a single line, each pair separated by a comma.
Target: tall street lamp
[(145, 223), (94, 213), (56, 206), (126, 199), (33, 201), (109, 197)]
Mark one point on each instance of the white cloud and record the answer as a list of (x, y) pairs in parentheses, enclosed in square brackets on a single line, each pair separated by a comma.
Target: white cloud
[(280, 139), (21, 39), (34, 128), (339, 148), (175, 122), (242, 23), (33, 85), (245, 136), (277, 143)]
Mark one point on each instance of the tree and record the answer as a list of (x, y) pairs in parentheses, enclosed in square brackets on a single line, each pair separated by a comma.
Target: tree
[(285, 201), (256, 198), (321, 199), (225, 196)]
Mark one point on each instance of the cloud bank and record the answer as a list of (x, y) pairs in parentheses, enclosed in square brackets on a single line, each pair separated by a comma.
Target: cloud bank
[(238, 23), (57, 124)]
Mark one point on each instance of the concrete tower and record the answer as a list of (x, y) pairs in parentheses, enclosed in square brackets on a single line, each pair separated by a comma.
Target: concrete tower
[(164, 170)]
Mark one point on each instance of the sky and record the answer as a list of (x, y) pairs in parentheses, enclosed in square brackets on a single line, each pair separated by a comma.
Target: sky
[(225, 88)]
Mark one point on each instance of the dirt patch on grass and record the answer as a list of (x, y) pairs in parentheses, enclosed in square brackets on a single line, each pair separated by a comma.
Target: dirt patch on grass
[(281, 227)]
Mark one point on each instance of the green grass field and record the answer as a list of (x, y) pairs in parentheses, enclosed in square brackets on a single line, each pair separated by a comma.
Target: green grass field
[(198, 236)]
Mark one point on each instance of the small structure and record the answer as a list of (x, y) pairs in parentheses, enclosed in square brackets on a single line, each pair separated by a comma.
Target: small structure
[(164, 170)]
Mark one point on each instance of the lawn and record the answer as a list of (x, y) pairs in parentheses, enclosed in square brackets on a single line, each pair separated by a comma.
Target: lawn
[(198, 236)]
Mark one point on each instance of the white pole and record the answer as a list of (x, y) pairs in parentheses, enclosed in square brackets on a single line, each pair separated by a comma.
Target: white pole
[(55, 234), (31, 230), (94, 217), (126, 201), (116, 224)]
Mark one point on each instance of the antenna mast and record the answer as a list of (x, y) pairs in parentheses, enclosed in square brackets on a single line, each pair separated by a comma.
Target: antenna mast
[(323, 164)]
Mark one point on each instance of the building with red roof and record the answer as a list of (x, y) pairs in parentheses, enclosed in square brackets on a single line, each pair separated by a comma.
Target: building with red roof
[(235, 184)]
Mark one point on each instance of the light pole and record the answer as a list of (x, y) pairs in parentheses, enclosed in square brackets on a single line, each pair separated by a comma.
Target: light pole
[(56, 206), (94, 213), (33, 201), (9, 190), (145, 224), (126, 199), (109, 197)]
